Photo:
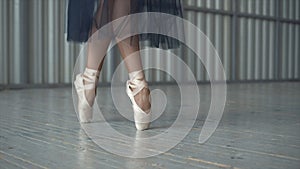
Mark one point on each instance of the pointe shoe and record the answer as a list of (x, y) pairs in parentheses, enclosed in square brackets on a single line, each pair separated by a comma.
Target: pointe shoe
[(142, 118), (85, 81)]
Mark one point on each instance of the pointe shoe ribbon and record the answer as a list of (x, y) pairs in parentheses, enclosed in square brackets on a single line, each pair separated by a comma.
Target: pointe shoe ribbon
[(136, 83)]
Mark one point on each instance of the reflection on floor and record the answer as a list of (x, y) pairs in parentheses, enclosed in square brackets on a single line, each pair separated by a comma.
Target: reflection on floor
[(259, 129)]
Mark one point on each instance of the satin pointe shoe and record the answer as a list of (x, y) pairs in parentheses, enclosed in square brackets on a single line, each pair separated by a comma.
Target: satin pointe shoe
[(84, 82), (137, 83)]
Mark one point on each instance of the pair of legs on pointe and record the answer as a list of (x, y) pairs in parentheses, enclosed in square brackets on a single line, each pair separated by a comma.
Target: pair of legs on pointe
[(133, 65), (138, 90)]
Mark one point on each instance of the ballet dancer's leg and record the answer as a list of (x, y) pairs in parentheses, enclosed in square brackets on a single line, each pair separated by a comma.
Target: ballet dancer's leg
[(137, 88), (127, 47), (86, 83), (97, 48)]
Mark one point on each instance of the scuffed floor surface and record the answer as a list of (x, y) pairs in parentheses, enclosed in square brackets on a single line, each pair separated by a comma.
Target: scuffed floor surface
[(259, 129)]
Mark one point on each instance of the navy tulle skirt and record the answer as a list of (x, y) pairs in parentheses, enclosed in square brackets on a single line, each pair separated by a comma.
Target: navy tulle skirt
[(87, 16)]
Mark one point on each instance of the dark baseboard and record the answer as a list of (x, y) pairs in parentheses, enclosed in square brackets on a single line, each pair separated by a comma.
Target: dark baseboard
[(67, 85)]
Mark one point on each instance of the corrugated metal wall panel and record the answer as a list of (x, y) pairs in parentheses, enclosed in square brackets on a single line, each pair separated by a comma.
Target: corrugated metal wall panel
[(271, 47), (3, 46), (262, 46), (297, 52), (189, 57)]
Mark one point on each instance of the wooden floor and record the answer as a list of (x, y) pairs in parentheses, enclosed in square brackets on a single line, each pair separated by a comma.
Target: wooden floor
[(260, 128)]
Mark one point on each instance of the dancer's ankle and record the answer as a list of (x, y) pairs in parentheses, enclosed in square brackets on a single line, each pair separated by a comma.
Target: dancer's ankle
[(142, 98)]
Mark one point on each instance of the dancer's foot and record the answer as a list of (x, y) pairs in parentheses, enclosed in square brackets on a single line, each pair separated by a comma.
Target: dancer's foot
[(85, 85), (139, 94)]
